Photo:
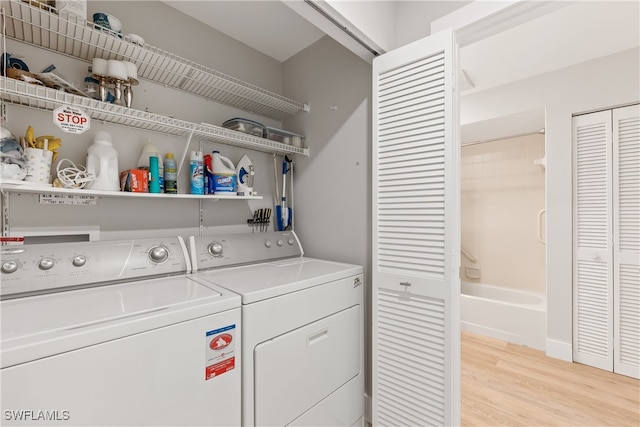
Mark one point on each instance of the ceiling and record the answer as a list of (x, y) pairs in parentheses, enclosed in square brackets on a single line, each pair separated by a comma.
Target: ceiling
[(576, 32), (270, 27)]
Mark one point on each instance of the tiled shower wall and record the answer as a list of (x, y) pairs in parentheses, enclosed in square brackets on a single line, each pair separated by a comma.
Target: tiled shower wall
[(502, 193)]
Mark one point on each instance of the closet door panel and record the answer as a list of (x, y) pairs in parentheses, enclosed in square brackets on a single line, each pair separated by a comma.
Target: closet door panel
[(592, 270), (416, 364), (626, 247)]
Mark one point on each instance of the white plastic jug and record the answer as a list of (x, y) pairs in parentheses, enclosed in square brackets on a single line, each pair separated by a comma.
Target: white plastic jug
[(224, 174), (102, 160)]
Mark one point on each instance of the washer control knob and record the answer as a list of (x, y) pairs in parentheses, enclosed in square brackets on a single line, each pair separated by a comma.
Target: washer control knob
[(268, 243), (9, 267), (46, 264), (215, 249), (290, 241), (280, 242), (159, 254), (79, 260)]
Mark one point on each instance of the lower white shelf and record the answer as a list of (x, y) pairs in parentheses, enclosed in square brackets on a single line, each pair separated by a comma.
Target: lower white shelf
[(23, 187)]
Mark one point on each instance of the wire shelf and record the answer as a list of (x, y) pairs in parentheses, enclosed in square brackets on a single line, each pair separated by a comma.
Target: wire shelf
[(44, 98), (24, 187), (81, 39)]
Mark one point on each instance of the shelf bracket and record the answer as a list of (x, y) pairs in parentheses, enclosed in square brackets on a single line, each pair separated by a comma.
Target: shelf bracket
[(307, 108), (5, 213), (184, 153), (201, 219)]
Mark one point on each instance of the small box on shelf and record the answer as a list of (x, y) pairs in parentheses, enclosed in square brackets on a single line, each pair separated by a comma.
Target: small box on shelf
[(135, 180), (245, 126)]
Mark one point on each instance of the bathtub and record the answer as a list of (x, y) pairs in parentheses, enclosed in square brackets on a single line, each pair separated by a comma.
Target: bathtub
[(508, 314)]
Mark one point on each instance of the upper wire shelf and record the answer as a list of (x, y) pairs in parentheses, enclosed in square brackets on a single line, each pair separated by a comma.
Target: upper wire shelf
[(76, 37), (44, 98)]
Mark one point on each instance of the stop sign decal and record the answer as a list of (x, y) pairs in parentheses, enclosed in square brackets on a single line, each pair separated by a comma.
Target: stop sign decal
[(71, 119)]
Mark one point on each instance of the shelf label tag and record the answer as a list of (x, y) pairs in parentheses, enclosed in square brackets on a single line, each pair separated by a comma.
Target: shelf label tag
[(71, 119), (68, 199)]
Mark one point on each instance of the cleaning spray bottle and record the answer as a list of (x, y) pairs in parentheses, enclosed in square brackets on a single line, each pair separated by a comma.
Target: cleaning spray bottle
[(196, 163), (224, 174), (170, 174)]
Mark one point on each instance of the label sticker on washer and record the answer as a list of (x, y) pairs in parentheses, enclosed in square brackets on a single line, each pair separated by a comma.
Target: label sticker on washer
[(220, 351)]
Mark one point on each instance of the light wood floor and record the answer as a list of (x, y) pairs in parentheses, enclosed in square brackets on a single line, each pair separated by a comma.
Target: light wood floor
[(509, 384)]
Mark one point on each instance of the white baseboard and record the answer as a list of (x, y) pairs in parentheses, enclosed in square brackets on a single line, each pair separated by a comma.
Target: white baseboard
[(559, 350)]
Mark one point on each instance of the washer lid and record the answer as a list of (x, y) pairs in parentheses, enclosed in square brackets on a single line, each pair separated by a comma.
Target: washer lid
[(267, 280), (39, 326)]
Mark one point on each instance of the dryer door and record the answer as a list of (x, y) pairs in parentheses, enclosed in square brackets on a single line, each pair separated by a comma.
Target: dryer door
[(297, 370)]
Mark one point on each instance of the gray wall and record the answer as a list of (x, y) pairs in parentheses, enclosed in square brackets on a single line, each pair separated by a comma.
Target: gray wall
[(165, 28), (333, 185)]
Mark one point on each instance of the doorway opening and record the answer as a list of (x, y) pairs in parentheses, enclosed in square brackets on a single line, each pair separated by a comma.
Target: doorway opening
[(503, 273)]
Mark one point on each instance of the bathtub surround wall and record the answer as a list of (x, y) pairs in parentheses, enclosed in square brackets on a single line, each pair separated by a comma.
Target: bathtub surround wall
[(503, 192)]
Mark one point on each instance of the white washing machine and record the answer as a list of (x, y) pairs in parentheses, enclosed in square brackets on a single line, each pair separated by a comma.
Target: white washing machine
[(116, 333), (303, 328)]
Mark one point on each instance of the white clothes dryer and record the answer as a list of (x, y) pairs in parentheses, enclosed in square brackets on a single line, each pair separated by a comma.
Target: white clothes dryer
[(115, 333), (303, 328)]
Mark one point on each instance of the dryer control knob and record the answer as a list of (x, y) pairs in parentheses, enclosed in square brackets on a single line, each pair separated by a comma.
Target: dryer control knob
[(9, 267), (279, 242), (159, 254), (79, 260), (290, 241), (46, 264), (268, 243), (215, 249)]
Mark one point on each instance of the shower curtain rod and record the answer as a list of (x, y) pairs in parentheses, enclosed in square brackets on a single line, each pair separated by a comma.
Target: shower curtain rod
[(539, 132)]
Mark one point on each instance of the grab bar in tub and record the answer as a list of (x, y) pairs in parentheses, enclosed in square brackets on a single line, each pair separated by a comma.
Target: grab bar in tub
[(468, 255)]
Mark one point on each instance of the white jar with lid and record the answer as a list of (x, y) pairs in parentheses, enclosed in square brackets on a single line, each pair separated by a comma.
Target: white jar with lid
[(102, 161)]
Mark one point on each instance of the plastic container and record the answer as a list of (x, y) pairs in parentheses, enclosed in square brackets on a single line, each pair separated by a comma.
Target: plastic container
[(196, 174), (170, 174), (102, 160), (143, 161), (284, 137), (224, 174), (245, 126), (154, 175)]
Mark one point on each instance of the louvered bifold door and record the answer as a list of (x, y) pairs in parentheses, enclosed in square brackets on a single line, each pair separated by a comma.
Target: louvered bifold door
[(415, 342), (626, 247), (592, 237)]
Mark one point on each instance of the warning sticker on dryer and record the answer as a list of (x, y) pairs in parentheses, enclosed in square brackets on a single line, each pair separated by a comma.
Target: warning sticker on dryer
[(220, 351)]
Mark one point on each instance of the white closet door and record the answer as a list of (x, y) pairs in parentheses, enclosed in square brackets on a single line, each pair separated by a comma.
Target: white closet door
[(626, 255), (592, 270), (416, 237)]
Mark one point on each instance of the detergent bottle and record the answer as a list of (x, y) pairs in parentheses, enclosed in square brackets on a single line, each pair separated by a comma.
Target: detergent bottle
[(224, 174), (150, 150), (102, 161)]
